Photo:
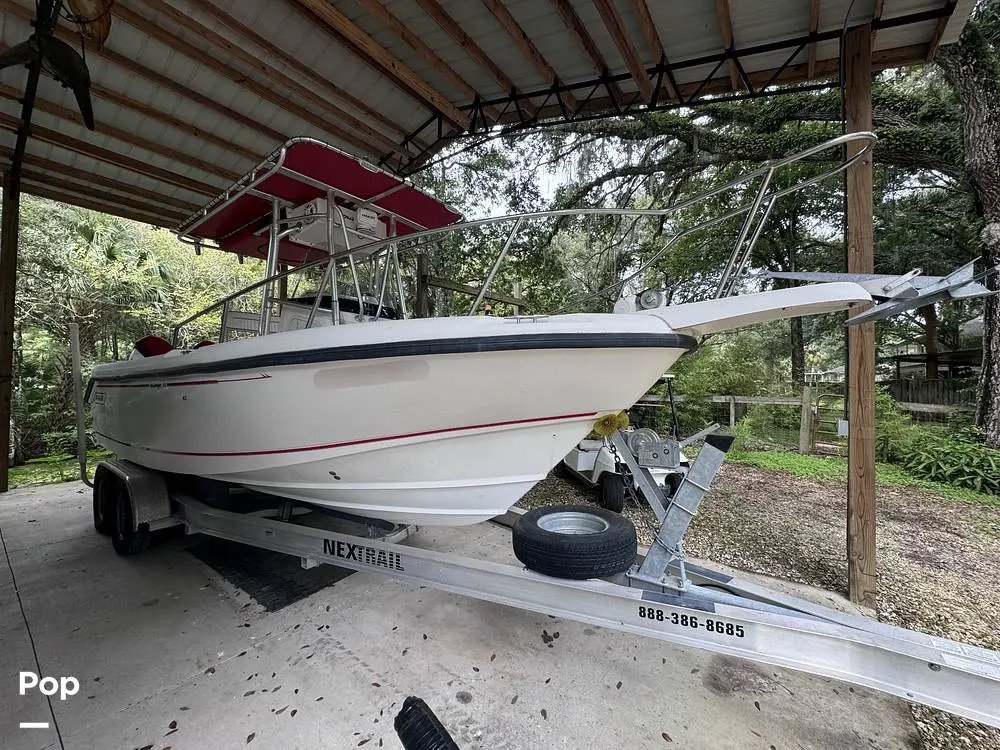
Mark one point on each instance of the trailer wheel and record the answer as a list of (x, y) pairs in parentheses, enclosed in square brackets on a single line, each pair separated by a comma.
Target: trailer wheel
[(102, 519), (672, 484), (419, 729), (126, 539), (613, 492), (560, 471), (574, 541)]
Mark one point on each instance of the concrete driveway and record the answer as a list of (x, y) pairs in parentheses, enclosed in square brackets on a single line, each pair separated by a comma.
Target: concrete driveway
[(203, 644)]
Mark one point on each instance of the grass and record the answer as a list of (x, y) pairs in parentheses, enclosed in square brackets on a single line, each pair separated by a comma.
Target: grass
[(831, 469), (52, 469)]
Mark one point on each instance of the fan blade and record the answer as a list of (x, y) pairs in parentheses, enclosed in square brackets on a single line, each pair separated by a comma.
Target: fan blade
[(70, 69), (19, 54)]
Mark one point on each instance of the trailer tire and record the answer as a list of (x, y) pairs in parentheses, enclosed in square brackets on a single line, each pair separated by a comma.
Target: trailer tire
[(574, 541), (102, 519), (613, 492), (672, 484), (419, 729), (126, 539)]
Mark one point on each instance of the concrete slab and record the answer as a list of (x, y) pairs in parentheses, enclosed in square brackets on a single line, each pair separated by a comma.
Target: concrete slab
[(170, 654)]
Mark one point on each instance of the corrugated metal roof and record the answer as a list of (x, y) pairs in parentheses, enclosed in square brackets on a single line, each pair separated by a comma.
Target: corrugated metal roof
[(189, 94)]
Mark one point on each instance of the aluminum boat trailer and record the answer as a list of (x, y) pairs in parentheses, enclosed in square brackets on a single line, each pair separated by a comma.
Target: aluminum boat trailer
[(660, 596)]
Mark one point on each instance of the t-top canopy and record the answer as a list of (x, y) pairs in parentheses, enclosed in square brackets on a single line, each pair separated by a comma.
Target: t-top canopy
[(300, 171)]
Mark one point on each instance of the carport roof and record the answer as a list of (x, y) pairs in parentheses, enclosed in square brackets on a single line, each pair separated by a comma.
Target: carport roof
[(191, 94)]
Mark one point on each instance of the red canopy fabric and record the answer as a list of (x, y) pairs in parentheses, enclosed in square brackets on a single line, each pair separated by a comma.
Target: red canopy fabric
[(236, 225)]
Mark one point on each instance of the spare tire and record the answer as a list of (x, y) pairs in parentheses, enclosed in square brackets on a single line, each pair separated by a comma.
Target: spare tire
[(574, 541)]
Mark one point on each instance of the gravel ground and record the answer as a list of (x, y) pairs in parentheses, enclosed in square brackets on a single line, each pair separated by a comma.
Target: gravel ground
[(936, 557)]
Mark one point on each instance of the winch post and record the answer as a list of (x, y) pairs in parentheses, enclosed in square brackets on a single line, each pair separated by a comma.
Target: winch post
[(683, 507), (643, 479)]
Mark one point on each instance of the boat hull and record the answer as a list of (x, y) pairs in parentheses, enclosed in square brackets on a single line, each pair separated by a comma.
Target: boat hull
[(450, 432)]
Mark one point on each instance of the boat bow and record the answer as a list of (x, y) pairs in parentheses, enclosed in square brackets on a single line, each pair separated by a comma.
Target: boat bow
[(724, 314)]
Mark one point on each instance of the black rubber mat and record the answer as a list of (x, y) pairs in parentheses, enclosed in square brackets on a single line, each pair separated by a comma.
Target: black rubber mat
[(273, 579)]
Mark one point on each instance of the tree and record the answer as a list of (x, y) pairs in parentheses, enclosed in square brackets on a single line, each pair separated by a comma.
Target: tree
[(972, 66), (119, 280), (938, 126)]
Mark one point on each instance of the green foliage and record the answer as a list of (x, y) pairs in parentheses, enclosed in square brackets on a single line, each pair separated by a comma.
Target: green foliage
[(740, 431), (53, 469), (118, 280), (60, 442), (796, 464), (955, 459), (835, 469), (763, 417), (893, 428)]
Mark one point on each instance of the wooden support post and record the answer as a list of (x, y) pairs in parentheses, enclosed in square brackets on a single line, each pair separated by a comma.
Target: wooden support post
[(423, 308), (860, 338), (8, 284), (732, 411), (805, 422), (282, 282), (46, 15), (517, 295)]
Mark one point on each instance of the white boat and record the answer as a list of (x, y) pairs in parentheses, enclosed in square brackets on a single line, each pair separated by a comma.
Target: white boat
[(445, 421)]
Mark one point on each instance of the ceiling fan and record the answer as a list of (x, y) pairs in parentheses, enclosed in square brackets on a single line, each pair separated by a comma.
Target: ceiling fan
[(59, 59)]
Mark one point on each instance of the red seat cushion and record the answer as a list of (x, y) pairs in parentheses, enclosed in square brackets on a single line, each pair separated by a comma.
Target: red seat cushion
[(151, 346), (206, 342)]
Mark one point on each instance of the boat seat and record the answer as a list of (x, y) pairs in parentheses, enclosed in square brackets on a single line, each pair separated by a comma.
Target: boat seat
[(152, 346)]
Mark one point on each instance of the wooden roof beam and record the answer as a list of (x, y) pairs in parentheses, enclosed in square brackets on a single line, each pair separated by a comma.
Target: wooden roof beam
[(125, 10), (211, 9), (126, 63), (433, 9), (653, 42), (397, 27), (813, 29), (151, 196), (392, 68), (722, 10), (165, 118), (520, 38), (616, 28), (42, 191), (65, 113), (572, 22), (877, 16), (939, 30), (61, 140), (100, 196), (100, 92)]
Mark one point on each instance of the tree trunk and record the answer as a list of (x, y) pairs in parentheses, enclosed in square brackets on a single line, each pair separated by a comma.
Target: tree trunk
[(798, 351), (970, 65), (930, 341)]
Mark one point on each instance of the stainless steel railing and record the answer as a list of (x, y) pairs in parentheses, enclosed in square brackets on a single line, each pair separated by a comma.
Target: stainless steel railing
[(755, 213)]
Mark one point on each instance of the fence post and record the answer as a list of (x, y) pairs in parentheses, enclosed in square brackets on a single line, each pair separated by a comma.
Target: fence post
[(732, 411), (805, 422)]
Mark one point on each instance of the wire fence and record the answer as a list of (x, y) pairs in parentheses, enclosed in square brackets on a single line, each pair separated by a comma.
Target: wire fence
[(815, 420)]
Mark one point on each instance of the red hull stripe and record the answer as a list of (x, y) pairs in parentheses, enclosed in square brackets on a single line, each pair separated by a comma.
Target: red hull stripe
[(303, 449)]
